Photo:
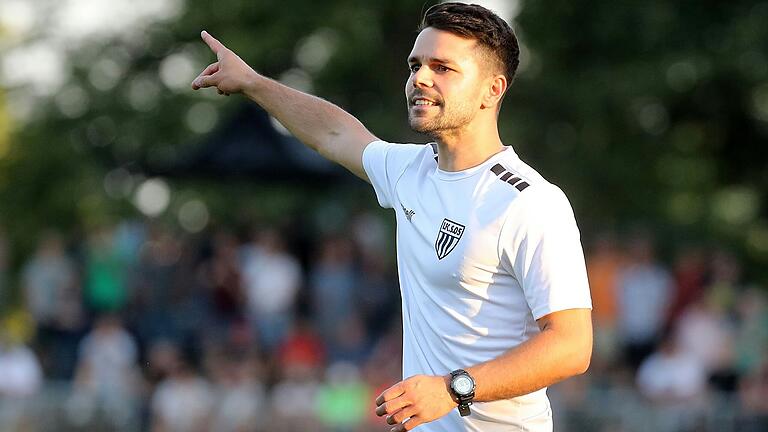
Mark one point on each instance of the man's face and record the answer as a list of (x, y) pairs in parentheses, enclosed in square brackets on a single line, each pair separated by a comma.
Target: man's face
[(444, 89)]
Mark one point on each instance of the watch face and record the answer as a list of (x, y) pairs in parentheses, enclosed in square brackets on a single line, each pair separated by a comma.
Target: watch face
[(462, 385)]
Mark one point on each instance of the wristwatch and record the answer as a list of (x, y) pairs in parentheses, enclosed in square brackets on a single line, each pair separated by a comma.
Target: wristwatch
[(463, 389)]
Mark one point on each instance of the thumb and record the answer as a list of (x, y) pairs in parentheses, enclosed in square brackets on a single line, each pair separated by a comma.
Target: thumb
[(205, 81)]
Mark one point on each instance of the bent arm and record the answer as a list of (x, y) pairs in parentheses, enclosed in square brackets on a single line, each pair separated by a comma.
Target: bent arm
[(321, 125), (562, 349)]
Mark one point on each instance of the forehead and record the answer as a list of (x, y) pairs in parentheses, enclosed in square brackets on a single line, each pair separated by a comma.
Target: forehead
[(432, 43)]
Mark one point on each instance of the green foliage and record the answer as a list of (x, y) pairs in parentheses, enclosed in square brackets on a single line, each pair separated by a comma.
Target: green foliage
[(642, 111)]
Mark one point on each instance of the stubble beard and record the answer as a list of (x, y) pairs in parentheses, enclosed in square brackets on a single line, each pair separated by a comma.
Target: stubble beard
[(444, 122)]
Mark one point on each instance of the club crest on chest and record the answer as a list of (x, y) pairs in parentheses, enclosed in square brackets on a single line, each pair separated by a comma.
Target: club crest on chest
[(448, 237)]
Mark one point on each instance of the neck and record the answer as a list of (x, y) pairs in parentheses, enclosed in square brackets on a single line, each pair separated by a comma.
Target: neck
[(464, 148)]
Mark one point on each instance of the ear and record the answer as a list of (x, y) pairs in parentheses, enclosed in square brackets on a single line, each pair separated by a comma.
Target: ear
[(496, 87)]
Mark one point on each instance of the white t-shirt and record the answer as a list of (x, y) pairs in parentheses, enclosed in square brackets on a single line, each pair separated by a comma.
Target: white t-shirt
[(482, 254)]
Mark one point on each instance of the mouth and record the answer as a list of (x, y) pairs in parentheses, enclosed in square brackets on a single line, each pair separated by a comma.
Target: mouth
[(422, 102)]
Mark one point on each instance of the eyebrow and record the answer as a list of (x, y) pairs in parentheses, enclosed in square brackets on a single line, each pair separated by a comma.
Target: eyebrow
[(415, 59)]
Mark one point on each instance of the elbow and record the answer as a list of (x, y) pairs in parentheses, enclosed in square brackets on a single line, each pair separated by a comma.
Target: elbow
[(582, 365), (582, 359), (578, 359)]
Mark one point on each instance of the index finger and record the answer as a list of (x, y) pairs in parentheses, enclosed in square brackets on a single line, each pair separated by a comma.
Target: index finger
[(212, 42), (390, 393)]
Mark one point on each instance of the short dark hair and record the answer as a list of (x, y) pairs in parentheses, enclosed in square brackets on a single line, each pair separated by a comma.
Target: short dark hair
[(476, 22)]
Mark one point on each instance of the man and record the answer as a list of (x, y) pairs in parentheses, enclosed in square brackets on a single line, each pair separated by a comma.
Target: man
[(495, 297)]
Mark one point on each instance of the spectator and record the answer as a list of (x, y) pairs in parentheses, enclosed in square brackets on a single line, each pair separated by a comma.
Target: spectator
[(225, 281), (704, 320), (675, 382), (49, 281), (192, 308), (20, 378), (751, 341), (343, 398), (155, 277), (302, 349), (52, 294), (293, 400), (107, 378), (183, 401), (238, 391), (689, 275), (271, 278), (332, 284), (377, 293), (604, 261), (725, 279), (106, 268), (644, 291), (350, 343)]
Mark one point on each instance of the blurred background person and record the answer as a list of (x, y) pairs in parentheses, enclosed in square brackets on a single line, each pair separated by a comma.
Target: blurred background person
[(675, 382), (342, 400), (238, 391), (183, 401), (107, 379), (332, 284), (644, 290), (49, 279), (106, 269), (604, 262), (272, 278), (53, 296), (21, 378)]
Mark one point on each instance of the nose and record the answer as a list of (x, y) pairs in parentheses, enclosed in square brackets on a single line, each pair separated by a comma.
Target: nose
[(422, 77)]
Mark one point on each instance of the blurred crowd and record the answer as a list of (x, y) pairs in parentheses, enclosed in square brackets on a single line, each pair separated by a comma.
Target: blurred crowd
[(136, 326), (260, 328), (688, 336)]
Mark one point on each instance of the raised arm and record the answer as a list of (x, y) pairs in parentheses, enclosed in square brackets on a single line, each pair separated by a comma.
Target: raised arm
[(321, 125)]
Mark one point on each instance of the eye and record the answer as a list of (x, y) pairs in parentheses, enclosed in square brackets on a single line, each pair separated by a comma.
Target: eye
[(414, 67), (441, 68)]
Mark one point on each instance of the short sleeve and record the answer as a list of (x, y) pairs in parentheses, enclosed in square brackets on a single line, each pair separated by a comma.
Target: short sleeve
[(384, 163), (540, 244)]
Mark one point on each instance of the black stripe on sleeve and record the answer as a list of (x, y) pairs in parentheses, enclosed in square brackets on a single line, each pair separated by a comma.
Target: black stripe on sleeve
[(497, 169), (509, 177)]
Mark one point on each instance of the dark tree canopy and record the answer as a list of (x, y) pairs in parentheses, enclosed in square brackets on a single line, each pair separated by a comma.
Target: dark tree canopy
[(652, 112)]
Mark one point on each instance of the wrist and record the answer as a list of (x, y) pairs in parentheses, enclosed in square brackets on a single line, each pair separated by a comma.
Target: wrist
[(447, 381), (253, 84)]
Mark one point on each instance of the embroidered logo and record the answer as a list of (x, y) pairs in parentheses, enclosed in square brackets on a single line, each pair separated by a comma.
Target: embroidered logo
[(408, 213), (448, 237)]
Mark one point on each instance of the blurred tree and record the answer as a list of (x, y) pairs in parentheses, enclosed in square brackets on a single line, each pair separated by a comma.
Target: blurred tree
[(662, 107), (642, 111)]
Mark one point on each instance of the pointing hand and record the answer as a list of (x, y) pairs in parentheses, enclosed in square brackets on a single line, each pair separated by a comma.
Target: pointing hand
[(229, 74)]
